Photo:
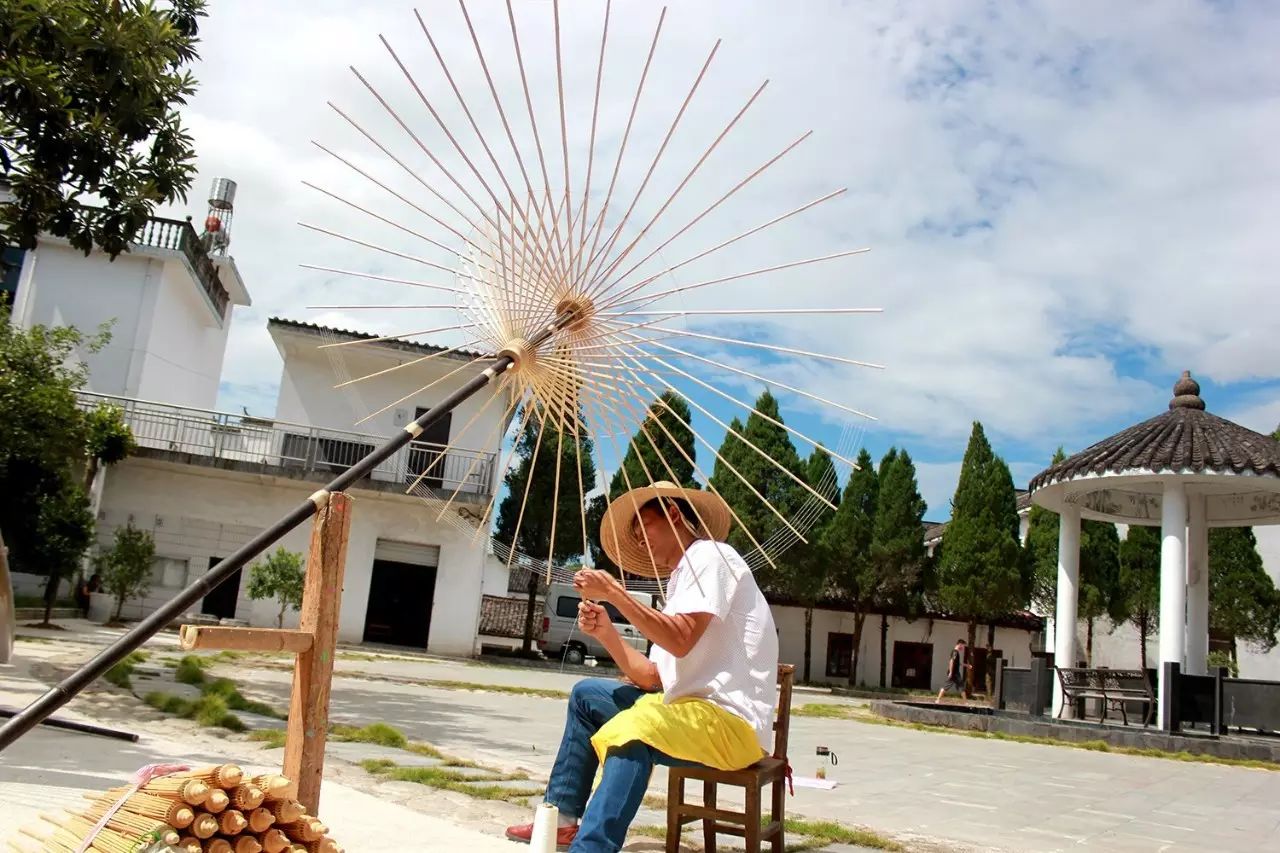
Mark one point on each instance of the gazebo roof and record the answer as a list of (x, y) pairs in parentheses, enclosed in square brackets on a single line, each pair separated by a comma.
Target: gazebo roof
[(1186, 438), (1120, 478)]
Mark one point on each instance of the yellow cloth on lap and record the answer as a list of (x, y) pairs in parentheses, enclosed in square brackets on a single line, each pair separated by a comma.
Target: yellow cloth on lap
[(690, 729)]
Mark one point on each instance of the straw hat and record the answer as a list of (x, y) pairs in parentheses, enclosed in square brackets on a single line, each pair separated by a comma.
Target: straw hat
[(628, 550)]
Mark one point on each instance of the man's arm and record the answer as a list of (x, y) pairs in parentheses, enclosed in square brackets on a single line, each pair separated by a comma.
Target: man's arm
[(594, 621), (677, 634)]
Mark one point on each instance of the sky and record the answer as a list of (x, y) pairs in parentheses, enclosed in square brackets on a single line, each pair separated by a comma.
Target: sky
[(1066, 205)]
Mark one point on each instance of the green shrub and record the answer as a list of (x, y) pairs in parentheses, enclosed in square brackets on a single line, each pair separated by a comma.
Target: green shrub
[(190, 670)]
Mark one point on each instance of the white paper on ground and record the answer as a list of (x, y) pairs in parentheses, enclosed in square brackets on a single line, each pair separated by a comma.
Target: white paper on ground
[(811, 782)]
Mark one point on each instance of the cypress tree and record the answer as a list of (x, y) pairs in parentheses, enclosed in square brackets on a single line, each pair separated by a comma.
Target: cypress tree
[(810, 563), (1243, 601), (897, 543), (759, 457), (847, 541), (1139, 583), (532, 484), (980, 576), (1040, 554)]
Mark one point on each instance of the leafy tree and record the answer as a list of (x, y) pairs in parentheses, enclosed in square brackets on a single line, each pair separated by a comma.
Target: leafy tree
[(89, 113), (1139, 582), (897, 559), (765, 458), (807, 581), (126, 568), (44, 511), (847, 543), (281, 576), (108, 440), (1099, 593), (1243, 601), (542, 513), (979, 575), (1040, 554)]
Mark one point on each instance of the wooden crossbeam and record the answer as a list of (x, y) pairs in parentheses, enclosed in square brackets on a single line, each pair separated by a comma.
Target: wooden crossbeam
[(313, 643), (245, 639)]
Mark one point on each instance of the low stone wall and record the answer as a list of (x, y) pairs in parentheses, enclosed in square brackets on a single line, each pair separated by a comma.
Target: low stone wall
[(978, 718)]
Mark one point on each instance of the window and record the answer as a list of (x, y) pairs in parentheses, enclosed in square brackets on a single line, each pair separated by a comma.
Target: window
[(839, 654), (168, 572), (567, 607)]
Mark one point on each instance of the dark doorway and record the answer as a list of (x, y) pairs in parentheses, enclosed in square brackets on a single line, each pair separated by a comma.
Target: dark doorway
[(912, 665), (839, 654), (221, 602), (426, 452), (399, 612), (984, 668)]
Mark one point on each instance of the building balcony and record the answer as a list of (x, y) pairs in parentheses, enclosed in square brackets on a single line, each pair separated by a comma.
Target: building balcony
[(180, 236), (297, 451)]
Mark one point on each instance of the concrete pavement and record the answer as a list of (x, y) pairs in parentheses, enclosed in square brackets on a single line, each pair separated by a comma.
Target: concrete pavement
[(930, 790)]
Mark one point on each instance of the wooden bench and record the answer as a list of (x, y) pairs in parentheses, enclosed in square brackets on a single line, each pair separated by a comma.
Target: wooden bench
[(1114, 687), (771, 770)]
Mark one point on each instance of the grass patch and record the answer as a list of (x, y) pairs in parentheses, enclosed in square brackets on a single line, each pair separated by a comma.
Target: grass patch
[(208, 710), (121, 674), (446, 779), (190, 670), (541, 692), (803, 835), (269, 738), (824, 711), (817, 834), (378, 733)]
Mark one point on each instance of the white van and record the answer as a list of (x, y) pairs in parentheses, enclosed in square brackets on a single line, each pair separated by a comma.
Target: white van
[(563, 640)]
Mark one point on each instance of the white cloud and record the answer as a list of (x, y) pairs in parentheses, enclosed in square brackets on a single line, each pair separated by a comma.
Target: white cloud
[(1047, 192)]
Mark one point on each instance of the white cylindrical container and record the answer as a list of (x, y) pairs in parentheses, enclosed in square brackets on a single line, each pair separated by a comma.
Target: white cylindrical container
[(545, 823)]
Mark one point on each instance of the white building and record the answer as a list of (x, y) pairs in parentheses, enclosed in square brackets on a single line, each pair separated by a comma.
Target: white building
[(203, 482)]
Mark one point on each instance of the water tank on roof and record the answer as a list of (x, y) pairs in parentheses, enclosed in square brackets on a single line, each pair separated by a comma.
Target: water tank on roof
[(222, 196)]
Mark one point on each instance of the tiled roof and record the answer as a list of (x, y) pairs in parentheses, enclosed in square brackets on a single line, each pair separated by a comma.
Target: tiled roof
[(933, 530), (1184, 439), (406, 346)]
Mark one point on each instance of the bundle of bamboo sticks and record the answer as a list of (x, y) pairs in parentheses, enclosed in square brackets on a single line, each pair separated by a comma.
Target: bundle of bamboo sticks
[(209, 810)]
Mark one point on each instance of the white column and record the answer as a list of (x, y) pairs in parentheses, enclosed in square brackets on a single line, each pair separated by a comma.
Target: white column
[(1173, 578), (1064, 620), (1197, 587)]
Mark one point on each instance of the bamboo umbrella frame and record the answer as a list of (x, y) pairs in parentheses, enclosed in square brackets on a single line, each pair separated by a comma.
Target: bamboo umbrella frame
[(559, 282)]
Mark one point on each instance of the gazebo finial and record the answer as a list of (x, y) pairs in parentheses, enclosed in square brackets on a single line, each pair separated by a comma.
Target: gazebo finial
[(1186, 393)]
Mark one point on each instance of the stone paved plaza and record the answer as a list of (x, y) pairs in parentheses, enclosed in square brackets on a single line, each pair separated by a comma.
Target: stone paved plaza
[(927, 791)]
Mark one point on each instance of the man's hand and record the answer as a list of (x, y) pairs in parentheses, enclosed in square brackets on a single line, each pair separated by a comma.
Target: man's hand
[(594, 621), (597, 585)]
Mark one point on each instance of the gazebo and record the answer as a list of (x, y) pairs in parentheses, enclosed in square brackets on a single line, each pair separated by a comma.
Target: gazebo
[(1185, 470)]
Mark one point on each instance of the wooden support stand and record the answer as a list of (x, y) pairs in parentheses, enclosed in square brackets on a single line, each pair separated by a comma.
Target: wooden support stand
[(313, 642)]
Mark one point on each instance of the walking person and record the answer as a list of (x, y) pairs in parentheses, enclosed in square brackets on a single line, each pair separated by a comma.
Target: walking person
[(955, 672), (705, 694)]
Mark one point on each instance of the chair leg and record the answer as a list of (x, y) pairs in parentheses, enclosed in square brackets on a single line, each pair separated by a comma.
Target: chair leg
[(752, 816), (779, 814), (675, 800), (709, 825)]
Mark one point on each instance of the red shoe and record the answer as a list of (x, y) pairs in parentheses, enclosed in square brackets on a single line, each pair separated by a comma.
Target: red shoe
[(524, 834)]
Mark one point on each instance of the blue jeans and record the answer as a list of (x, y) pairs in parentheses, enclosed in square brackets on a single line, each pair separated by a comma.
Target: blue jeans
[(603, 828)]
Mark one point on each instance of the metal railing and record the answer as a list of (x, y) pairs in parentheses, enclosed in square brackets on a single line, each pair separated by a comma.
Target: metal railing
[(180, 236), (306, 449)]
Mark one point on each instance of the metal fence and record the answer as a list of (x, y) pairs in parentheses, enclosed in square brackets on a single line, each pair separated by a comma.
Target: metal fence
[(307, 449)]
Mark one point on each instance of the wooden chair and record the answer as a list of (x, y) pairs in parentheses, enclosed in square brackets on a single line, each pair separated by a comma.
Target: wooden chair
[(771, 770)]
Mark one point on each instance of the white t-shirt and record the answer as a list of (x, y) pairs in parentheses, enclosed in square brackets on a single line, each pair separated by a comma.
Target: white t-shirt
[(735, 662)]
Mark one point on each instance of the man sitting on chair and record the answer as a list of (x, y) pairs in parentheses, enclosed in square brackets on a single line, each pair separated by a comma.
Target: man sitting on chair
[(706, 693)]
